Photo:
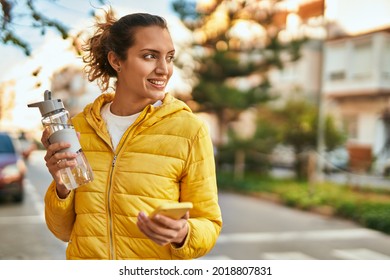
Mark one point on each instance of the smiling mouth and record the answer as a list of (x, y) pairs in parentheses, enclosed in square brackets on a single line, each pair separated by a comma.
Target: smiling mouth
[(157, 83)]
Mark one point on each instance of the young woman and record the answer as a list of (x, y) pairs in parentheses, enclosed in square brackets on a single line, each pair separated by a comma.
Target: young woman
[(145, 148)]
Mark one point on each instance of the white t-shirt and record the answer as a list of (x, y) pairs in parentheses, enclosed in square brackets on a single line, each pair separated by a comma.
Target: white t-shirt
[(117, 125)]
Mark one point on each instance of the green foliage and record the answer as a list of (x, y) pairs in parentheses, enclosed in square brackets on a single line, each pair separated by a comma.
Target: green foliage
[(255, 148), (366, 206), (299, 129), (232, 75), (301, 124), (376, 216), (219, 97), (251, 183), (372, 214), (8, 37), (37, 19)]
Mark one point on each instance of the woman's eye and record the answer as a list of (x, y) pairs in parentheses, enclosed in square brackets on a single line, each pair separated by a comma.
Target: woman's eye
[(170, 58), (149, 56)]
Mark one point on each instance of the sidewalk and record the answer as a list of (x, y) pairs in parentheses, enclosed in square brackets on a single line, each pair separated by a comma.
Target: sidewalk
[(358, 180)]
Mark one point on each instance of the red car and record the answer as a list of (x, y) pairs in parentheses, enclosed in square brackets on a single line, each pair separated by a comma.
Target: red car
[(12, 169)]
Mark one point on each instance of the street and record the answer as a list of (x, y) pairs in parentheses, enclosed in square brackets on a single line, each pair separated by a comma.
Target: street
[(253, 229), (24, 235), (257, 229)]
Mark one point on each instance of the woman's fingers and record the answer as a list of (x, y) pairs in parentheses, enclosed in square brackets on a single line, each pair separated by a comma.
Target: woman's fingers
[(161, 229), (53, 151), (45, 138)]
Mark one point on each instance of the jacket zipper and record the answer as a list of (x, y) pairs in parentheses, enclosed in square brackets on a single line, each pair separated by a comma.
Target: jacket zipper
[(142, 117), (109, 210)]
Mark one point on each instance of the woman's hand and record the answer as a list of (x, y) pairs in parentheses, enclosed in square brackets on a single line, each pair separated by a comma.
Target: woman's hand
[(164, 230), (56, 160)]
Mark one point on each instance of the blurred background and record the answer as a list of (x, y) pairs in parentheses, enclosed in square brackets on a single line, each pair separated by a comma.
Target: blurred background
[(296, 94)]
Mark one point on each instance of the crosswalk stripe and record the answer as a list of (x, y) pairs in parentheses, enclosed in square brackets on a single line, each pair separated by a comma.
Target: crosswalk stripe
[(345, 254), (215, 257), (359, 254), (285, 256), (17, 220), (297, 235)]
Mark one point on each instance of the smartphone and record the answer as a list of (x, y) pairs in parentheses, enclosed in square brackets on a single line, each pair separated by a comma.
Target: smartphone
[(174, 210)]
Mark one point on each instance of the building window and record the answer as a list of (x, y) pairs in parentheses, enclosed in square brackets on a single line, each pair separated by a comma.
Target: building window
[(386, 61), (350, 125), (362, 66), (336, 60), (337, 75)]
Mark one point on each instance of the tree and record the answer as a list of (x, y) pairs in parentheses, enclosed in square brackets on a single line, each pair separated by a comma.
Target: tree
[(252, 152), (299, 130), (35, 18), (235, 44)]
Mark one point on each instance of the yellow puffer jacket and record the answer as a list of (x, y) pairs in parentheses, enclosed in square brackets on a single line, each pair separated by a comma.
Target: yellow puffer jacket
[(165, 156)]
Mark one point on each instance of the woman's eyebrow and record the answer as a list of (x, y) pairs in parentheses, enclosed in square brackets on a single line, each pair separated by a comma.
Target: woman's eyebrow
[(156, 51)]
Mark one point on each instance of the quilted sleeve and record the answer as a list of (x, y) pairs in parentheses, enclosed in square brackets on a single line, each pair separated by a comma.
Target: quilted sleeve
[(199, 186), (59, 213)]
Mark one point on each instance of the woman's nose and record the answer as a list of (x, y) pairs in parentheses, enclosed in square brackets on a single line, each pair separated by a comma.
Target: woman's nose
[(162, 67)]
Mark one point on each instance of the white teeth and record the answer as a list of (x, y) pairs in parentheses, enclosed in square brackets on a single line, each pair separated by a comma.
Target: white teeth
[(159, 83)]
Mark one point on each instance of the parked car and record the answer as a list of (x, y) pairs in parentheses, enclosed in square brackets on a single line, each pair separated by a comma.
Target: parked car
[(381, 167), (12, 169), (336, 160)]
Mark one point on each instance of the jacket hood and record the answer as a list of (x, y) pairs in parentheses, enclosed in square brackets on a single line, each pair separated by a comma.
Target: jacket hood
[(150, 114)]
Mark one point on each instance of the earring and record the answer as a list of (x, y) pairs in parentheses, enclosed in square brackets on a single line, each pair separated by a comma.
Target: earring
[(118, 70)]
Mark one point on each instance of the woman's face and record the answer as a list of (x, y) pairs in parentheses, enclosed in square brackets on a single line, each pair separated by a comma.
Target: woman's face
[(149, 64)]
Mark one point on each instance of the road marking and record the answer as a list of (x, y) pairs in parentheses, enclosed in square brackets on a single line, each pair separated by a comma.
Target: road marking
[(214, 257), (285, 256), (35, 197), (16, 220), (344, 254), (359, 254), (251, 237)]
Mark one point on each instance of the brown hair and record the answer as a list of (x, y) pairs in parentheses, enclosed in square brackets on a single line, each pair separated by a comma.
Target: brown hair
[(117, 36)]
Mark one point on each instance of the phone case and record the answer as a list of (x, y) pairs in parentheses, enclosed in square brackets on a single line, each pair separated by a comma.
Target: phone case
[(172, 210)]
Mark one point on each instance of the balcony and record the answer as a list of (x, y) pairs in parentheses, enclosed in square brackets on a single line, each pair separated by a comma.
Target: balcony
[(356, 66)]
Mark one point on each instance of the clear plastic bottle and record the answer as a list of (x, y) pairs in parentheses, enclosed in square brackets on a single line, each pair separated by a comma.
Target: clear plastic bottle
[(56, 118)]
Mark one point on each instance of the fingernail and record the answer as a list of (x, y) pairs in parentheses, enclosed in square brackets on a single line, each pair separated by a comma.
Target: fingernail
[(141, 215)]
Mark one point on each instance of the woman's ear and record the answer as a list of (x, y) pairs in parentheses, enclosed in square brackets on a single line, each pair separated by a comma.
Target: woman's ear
[(114, 61)]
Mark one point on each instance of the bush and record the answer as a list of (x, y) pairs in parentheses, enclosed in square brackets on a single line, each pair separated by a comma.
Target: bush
[(348, 209), (376, 216), (369, 207)]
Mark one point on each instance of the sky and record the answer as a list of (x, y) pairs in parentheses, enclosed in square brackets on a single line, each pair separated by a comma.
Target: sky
[(52, 52)]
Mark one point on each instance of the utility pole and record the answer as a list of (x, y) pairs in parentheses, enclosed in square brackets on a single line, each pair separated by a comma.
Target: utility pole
[(321, 147), (321, 124)]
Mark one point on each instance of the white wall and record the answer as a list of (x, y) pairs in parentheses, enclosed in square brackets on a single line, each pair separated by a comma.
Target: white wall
[(364, 69)]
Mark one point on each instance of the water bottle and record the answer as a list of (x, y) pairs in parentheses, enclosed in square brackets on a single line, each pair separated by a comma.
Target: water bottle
[(56, 118)]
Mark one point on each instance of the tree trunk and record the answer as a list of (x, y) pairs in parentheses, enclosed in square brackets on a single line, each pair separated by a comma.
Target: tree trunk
[(300, 164), (239, 164)]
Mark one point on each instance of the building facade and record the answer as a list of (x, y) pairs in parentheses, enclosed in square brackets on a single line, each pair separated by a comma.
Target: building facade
[(356, 89)]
